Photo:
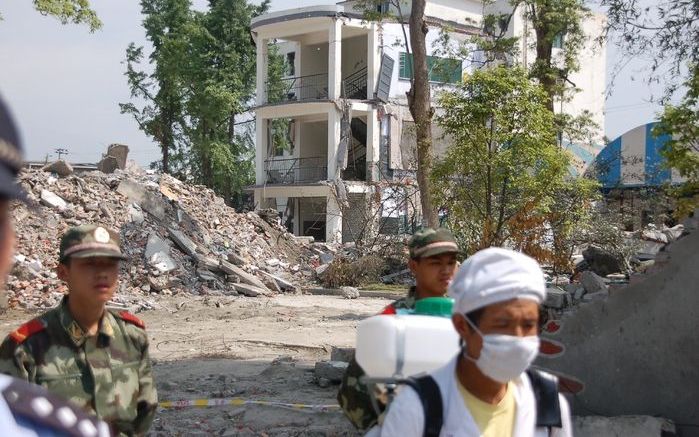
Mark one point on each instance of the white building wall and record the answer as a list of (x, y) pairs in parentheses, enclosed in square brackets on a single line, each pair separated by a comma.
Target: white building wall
[(467, 12)]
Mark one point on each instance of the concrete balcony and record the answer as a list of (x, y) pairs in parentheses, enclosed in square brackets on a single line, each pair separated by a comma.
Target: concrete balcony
[(295, 171)]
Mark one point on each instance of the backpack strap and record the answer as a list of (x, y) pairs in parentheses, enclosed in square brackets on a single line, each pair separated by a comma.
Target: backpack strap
[(548, 406), (431, 397)]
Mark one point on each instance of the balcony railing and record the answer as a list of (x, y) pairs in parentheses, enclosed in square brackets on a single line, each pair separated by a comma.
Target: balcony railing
[(296, 170), (298, 89), (315, 87)]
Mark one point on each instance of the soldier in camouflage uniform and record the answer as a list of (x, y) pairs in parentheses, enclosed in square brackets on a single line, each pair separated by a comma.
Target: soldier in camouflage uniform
[(433, 264), (95, 358)]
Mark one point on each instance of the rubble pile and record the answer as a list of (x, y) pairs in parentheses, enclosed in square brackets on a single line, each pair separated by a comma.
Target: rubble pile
[(598, 272), (179, 239)]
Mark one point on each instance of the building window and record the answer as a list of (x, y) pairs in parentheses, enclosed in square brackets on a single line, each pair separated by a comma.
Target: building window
[(558, 40), (382, 8), (291, 63), (442, 70)]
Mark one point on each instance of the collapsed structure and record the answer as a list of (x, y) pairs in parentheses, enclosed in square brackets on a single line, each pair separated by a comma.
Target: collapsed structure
[(335, 142), (179, 238)]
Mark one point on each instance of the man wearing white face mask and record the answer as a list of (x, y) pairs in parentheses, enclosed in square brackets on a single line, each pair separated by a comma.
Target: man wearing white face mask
[(488, 389)]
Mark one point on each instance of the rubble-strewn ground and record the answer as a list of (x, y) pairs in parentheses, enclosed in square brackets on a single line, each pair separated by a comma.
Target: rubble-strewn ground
[(255, 349)]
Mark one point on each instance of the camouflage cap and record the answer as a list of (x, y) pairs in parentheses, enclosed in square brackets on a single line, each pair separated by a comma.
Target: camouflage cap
[(430, 242), (90, 241)]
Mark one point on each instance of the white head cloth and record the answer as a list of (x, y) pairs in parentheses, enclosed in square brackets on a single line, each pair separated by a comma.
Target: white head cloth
[(496, 275)]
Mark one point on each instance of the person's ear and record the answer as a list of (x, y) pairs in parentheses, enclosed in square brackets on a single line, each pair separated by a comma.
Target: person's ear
[(461, 325), (62, 271), (412, 264)]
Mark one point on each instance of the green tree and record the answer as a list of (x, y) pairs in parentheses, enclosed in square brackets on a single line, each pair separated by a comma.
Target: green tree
[(69, 11), (161, 117), (419, 95), (681, 124), (498, 179)]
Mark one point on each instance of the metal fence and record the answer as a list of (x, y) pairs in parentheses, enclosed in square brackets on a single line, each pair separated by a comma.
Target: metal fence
[(296, 170)]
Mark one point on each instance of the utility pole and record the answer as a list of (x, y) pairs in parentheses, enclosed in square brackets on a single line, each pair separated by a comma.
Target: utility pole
[(61, 152)]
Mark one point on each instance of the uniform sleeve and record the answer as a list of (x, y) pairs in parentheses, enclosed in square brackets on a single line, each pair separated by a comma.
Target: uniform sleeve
[(15, 360), (147, 397), (355, 399), (405, 417), (567, 429)]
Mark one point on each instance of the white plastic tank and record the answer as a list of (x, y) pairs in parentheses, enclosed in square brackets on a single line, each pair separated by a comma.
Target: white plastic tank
[(405, 344)]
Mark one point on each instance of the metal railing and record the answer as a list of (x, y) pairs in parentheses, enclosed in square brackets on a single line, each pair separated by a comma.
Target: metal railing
[(296, 170), (298, 89), (355, 86)]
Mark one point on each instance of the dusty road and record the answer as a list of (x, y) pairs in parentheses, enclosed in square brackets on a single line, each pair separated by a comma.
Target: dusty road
[(257, 349)]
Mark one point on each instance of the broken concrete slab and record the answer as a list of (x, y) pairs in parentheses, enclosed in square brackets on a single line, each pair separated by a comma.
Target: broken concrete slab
[(636, 426), (108, 165), (183, 242), (207, 262), (52, 200), (149, 202), (135, 214), (120, 152), (244, 276), (283, 284), (592, 282), (251, 290), (157, 254), (60, 167), (236, 259), (333, 371)]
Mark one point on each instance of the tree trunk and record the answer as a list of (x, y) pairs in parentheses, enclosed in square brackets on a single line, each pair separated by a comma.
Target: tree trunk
[(421, 110)]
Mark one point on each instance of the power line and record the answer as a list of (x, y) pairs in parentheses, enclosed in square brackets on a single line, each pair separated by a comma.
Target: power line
[(61, 152)]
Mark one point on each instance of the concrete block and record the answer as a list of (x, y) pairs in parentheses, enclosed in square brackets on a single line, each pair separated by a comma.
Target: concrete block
[(344, 354), (53, 201), (592, 282), (60, 167), (108, 165), (333, 371), (349, 292), (601, 261), (555, 298), (622, 426)]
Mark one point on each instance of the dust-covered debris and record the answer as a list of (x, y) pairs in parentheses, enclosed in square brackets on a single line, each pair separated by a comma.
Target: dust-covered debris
[(179, 238)]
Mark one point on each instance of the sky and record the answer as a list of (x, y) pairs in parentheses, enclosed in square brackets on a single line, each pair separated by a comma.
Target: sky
[(64, 84)]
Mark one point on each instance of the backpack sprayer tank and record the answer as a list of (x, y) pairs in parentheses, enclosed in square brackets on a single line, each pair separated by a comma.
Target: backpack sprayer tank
[(409, 343)]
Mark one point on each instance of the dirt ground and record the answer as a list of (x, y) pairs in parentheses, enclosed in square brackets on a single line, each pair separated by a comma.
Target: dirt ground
[(260, 349)]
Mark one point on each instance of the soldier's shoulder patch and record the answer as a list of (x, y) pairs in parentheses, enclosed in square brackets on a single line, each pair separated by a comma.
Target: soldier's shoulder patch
[(25, 331), (130, 318)]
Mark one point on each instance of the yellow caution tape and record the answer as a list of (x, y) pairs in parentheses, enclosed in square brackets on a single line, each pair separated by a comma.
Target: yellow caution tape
[(239, 402)]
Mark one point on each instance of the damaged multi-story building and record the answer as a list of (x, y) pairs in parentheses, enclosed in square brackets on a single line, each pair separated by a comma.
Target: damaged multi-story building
[(335, 149)]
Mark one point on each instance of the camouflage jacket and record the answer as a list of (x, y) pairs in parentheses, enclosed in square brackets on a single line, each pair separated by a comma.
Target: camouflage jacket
[(108, 374), (354, 397)]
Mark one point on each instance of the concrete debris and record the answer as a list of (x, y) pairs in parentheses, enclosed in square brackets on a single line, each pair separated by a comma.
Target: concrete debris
[(637, 426), (108, 164), (52, 200), (344, 354), (215, 245), (556, 298), (251, 290), (601, 261), (592, 283), (349, 292), (330, 370), (60, 167)]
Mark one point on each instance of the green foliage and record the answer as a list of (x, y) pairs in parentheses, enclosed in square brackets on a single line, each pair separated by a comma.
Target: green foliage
[(199, 93), (498, 179), (681, 124), (70, 11), (666, 32)]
